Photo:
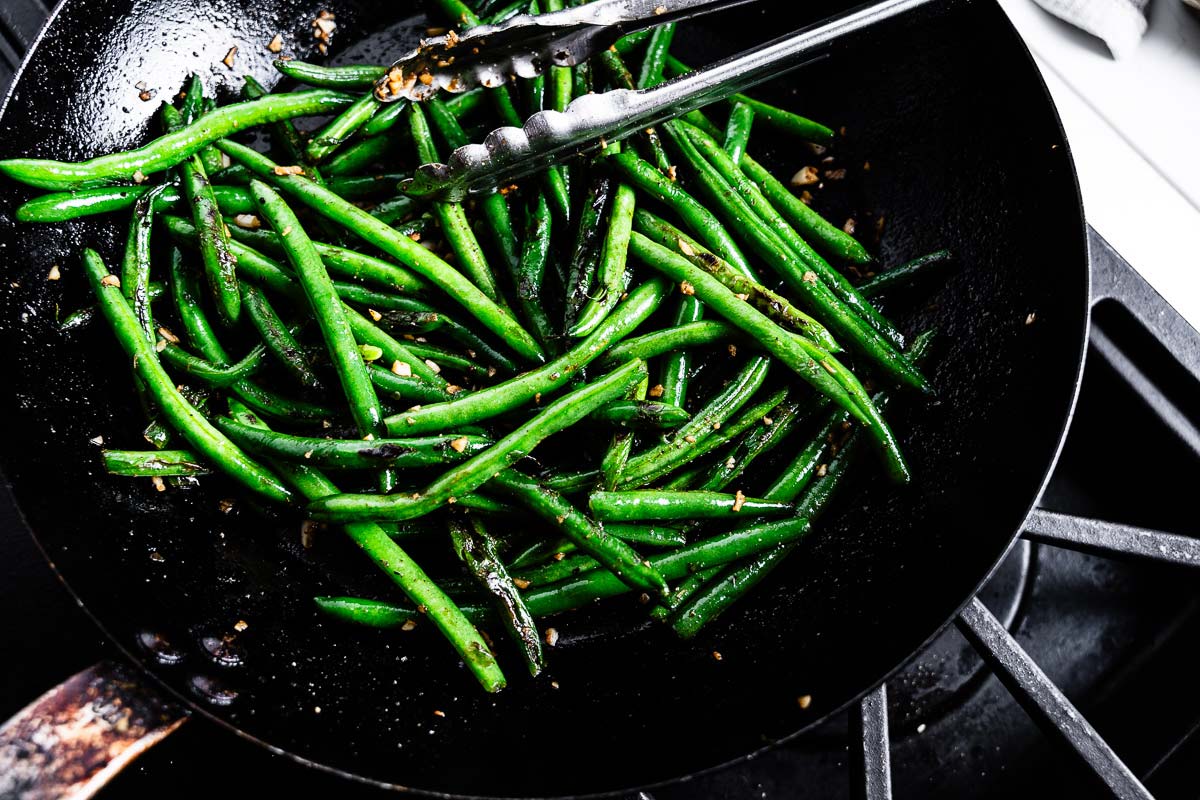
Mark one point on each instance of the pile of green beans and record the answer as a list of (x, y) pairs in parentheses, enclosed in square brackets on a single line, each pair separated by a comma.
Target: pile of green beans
[(585, 384)]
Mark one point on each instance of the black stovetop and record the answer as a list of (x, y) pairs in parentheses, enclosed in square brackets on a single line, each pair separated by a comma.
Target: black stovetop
[(1116, 636)]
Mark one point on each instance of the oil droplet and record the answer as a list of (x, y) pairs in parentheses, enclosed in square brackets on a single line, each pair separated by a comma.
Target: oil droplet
[(159, 648), (222, 650), (212, 690)]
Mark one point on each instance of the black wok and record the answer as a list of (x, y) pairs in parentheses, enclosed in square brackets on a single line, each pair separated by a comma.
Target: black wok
[(965, 151)]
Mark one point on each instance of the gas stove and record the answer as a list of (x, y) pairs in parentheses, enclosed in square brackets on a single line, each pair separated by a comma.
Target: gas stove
[(1092, 615)]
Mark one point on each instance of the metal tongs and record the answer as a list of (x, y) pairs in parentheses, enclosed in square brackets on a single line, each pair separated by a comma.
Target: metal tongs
[(527, 45)]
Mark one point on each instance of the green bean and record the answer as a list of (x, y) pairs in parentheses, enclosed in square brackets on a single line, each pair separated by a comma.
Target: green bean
[(612, 553), (212, 374), (531, 267), (683, 478), (275, 335), (283, 133), (363, 153), (784, 121), (400, 247), (328, 309), (151, 463), (758, 441), (655, 58), (477, 548), (187, 306), (665, 506), (458, 12), (669, 340), (681, 447), (366, 332), (62, 206), (683, 591), (447, 359), (191, 425), (587, 247), (825, 235), (621, 78), (343, 261), (706, 227), (408, 321), (135, 267), (209, 156), (173, 148), (881, 334), (429, 451), (212, 238), (817, 367), (737, 131), (556, 569), (621, 445), (657, 535), (342, 127), (494, 206), (513, 393), (676, 369), (560, 77), (905, 273), (468, 476), (353, 76), (611, 275), (359, 187), (407, 388), (737, 579), (594, 584), (404, 572), (772, 304), (631, 41), (641, 414)]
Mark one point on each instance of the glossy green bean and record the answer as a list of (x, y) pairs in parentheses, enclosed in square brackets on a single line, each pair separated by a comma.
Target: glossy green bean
[(683, 592), (405, 250), (328, 309), (366, 332), (343, 261), (778, 118), (478, 549), (772, 304), (699, 220), (173, 148), (655, 59), (787, 348), (677, 450), (561, 89), (212, 238), (426, 595), (658, 505), (531, 267), (594, 584), (135, 265), (189, 423), (151, 463), (349, 77), (824, 235), (342, 127), (556, 416), (408, 388), (905, 273), (362, 154), (184, 362), (587, 248), (758, 441), (513, 393), (641, 414), (737, 131), (753, 200), (277, 338), (612, 553), (685, 336), (429, 451), (611, 273), (284, 136)]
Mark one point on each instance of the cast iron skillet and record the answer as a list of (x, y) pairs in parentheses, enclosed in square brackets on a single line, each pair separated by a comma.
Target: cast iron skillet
[(965, 151)]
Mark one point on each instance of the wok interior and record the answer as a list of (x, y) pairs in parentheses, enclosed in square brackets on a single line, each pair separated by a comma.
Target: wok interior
[(964, 151)]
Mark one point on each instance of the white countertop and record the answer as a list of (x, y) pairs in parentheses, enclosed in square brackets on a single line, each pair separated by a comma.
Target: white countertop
[(1134, 129)]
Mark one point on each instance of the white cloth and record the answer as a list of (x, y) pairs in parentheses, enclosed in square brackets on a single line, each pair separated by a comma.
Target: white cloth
[(1119, 23)]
